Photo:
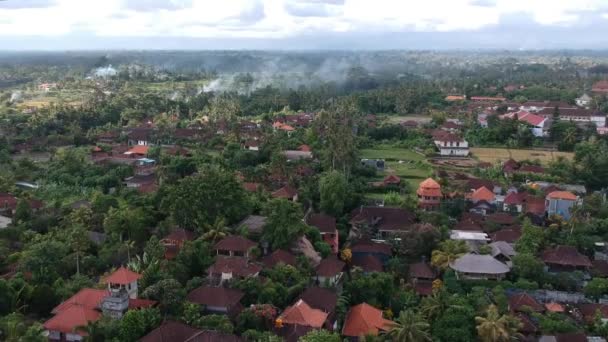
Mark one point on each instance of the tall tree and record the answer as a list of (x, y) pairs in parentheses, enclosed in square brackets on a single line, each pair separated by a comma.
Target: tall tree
[(333, 189), (410, 327), (497, 328), (284, 223), (448, 251)]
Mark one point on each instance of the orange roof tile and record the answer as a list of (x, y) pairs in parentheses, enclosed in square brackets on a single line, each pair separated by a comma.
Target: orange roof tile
[(138, 149), (554, 307), (122, 276), (71, 319), (364, 319), (302, 314), (429, 187), (88, 298), (562, 195), (430, 183), (483, 194)]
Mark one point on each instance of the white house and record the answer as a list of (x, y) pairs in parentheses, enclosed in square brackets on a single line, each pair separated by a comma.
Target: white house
[(584, 101), (536, 122), (452, 145)]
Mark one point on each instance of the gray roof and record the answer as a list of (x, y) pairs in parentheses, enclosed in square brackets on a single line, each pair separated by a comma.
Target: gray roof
[(480, 264), (254, 223), (297, 155), (502, 247)]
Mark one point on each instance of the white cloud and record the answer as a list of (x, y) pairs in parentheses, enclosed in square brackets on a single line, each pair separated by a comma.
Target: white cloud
[(276, 18)]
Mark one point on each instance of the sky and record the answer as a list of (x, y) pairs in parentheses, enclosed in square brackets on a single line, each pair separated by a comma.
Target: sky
[(303, 24)]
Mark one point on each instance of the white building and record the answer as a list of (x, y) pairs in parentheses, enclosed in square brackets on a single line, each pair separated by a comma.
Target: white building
[(584, 101), (452, 145)]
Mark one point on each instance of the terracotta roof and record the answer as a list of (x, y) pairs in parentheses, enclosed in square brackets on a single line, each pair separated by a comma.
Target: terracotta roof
[(588, 310), (122, 276), (429, 187), (501, 218), (424, 287), (329, 267), (527, 117), (88, 298), (515, 198), (565, 256), (138, 149), (454, 98), (287, 192), (215, 296), (368, 263), (468, 225), (235, 243), (535, 205), (383, 218), (391, 179), (600, 268), (180, 235), (279, 256), (518, 301), (510, 165), (170, 331), (251, 187), (600, 86), (238, 266), (68, 320), (304, 148), (302, 314), (422, 270), (213, 336), (510, 235), (449, 137), (483, 194), (320, 298), (554, 307), (139, 303), (562, 195), (476, 183), (365, 246), (364, 319), (325, 223)]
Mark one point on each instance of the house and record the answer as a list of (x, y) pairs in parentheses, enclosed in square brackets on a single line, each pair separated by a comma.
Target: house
[(482, 119), (234, 245), (174, 241), (279, 256), (583, 101), (474, 266), (254, 224), (514, 201), (429, 195), (377, 164), (297, 155), (251, 145), (364, 319), (123, 278), (421, 276), (386, 221), (217, 300), (140, 137), (382, 251), (47, 86), (323, 299), (329, 271), (138, 151), (451, 145), (536, 122), (368, 263), (565, 258), (287, 192), (140, 181), (391, 180), (503, 252), (454, 98), (173, 331), (482, 194), (409, 124), (508, 235), (588, 311), (578, 115), (68, 325), (226, 268), (600, 87), (500, 219), (560, 203), (327, 228), (523, 302), (297, 320)]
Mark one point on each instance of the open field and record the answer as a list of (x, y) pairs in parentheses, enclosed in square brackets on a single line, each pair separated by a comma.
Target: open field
[(492, 155), (421, 119), (412, 169)]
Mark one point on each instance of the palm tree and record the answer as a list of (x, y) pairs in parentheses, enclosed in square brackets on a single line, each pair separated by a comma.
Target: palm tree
[(436, 304), (216, 231), (497, 328), (410, 327), (448, 251), (129, 244)]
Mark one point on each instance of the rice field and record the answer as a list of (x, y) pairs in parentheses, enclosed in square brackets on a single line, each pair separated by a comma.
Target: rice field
[(493, 155)]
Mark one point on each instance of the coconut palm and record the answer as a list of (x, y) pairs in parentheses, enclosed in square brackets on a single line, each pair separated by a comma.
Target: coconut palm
[(448, 251), (216, 231), (436, 304), (495, 327), (409, 327)]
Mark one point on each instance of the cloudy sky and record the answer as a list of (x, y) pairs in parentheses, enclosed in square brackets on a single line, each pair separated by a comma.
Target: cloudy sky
[(303, 24)]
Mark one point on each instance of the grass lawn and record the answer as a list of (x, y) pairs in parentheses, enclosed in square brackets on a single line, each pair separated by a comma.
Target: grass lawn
[(493, 155)]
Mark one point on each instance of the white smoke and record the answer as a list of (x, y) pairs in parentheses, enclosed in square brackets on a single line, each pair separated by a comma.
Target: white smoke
[(108, 71), (15, 96)]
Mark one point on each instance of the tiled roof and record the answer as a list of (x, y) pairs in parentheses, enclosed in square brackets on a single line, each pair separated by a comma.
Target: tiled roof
[(422, 270), (501, 218), (364, 319), (366, 246), (589, 310), (510, 235), (287, 192), (429, 187), (215, 296), (138, 149), (518, 301), (320, 298), (251, 187), (562, 195), (71, 319), (122, 276), (391, 179), (302, 314), (170, 331), (383, 218), (88, 298), (329, 267), (565, 256), (181, 235), (515, 198), (483, 194), (325, 223), (235, 243), (368, 263), (279, 256), (554, 307), (238, 266)]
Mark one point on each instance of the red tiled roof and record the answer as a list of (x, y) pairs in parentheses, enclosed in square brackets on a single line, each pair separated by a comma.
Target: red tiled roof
[(483, 194), (235, 243), (501, 218), (383, 218), (329, 267), (122, 276), (422, 270), (454, 98), (251, 187), (320, 298), (589, 310), (554, 307), (325, 223), (180, 235), (449, 137), (391, 179), (287, 192), (139, 303), (215, 296), (520, 300), (171, 331), (364, 246), (468, 225), (238, 266), (88, 298), (279, 256), (510, 235), (368, 263), (600, 268), (69, 320), (565, 256), (429, 187), (535, 205), (302, 314), (600, 86), (138, 149), (515, 198), (527, 117), (562, 195), (364, 319)]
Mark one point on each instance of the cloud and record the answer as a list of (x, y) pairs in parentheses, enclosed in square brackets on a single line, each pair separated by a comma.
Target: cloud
[(314, 8), (153, 5), (20, 4)]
